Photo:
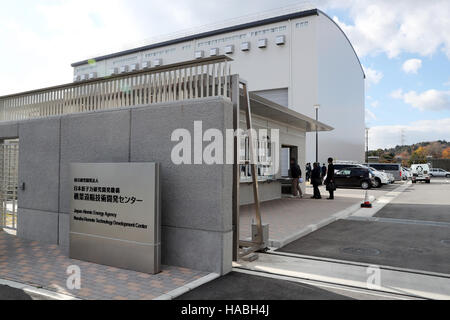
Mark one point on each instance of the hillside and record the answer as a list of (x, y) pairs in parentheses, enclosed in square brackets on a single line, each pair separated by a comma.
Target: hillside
[(416, 153)]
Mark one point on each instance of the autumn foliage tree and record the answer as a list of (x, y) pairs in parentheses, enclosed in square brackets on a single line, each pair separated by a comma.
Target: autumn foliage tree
[(418, 156), (446, 153)]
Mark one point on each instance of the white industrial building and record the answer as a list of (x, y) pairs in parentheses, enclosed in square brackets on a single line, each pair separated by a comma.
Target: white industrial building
[(298, 60)]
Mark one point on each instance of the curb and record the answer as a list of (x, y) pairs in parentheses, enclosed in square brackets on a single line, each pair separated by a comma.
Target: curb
[(188, 287), (59, 296), (37, 291)]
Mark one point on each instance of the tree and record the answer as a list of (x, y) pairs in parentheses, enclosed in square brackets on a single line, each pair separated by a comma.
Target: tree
[(446, 153), (434, 150), (419, 156)]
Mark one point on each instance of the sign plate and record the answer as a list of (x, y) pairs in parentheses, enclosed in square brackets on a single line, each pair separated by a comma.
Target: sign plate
[(115, 215)]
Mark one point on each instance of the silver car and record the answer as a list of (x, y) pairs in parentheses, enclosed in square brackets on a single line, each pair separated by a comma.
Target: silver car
[(436, 172), (393, 168)]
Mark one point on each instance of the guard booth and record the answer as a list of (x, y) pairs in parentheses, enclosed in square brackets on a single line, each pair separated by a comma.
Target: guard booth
[(9, 165)]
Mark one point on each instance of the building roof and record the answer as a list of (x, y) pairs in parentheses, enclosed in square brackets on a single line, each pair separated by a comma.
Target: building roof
[(268, 109), (295, 15)]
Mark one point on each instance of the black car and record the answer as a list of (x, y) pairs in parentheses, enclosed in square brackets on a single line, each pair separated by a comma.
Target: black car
[(354, 177)]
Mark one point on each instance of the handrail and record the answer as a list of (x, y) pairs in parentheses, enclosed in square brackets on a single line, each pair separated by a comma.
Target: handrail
[(181, 81)]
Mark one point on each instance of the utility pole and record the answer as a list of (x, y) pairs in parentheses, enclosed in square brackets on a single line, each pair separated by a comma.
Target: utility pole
[(317, 107), (367, 145), (403, 137)]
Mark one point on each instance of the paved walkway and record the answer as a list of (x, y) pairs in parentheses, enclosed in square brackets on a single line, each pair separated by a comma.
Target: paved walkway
[(44, 266), (290, 218)]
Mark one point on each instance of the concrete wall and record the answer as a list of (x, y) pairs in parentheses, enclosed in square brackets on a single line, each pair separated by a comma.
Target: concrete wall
[(196, 199), (268, 190)]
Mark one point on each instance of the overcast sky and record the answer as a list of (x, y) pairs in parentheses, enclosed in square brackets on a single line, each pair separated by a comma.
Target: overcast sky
[(404, 46)]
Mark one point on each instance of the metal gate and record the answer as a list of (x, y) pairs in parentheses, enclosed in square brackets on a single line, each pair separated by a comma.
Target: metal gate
[(9, 181)]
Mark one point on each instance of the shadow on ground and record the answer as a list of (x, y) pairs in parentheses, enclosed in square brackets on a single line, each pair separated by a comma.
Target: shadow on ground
[(240, 286), (8, 293)]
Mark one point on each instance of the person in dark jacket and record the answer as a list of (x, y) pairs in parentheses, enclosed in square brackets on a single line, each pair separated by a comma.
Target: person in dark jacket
[(329, 182), (316, 181), (308, 172), (296, 174)]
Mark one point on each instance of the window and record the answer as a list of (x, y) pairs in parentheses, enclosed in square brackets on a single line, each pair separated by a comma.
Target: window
[(358, 171), (343, 166), (199, 54), (245, 46), (345, 172), (386, 167), (229, 49), (280, 40), (264, 151), (303, 24), (214, 52), (262, 43)]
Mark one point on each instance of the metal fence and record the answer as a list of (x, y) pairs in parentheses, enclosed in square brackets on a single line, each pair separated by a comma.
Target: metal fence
[(441, 164), (9, 164), (207, 77)]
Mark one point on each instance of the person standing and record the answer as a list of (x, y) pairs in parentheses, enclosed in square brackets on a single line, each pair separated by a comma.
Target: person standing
[(316, 181), (308, 172), (296, 174), (329, 182), (324, 172)]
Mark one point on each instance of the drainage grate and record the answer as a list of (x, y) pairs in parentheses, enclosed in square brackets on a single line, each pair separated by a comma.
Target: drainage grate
[(446, 242), (362, 251)]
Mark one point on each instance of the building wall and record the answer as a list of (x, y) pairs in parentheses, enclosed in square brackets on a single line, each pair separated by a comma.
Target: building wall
[(271, 190), (340, 95), (317, 64), (196, 199)]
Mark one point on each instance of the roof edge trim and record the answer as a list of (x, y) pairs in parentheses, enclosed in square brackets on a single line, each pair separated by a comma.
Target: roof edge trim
[(300, 14)]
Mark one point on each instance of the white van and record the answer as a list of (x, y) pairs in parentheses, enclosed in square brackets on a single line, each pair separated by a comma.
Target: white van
[(421, 172)]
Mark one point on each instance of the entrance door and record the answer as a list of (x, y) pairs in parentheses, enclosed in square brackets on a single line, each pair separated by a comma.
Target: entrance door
[(9, 181)]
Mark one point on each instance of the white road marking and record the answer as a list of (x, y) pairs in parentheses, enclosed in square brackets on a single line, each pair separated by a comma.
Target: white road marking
[(325, 285), (402, 221), (392, 281)]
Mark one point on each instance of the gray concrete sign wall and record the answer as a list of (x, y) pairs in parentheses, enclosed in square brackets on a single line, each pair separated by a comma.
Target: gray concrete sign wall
[(196, 199), (115, 215)]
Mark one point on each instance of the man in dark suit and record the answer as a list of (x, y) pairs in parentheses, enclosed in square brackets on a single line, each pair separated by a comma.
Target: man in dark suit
[(329, 182), (316, 181)]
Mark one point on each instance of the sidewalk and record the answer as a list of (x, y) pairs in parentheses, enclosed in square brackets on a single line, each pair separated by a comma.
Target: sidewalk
[(44, 266), (290, 219)]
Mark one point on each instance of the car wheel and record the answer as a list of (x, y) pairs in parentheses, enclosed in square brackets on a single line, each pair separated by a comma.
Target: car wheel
[(365, 185), (447, 176), (377, 183)]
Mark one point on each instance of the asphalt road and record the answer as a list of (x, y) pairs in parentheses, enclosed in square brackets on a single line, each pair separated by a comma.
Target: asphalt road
[(8, 293), (414, 233), (239, 286)]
